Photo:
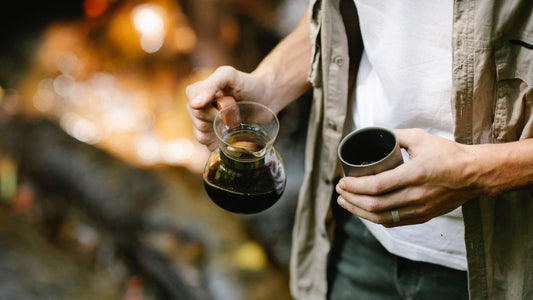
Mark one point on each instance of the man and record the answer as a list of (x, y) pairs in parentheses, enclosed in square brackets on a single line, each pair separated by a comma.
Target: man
[(471, 162)]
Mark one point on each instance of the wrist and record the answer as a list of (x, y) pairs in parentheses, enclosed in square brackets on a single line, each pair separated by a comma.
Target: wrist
[(266, 77), (482, 164), (280, 87), (501, 167)]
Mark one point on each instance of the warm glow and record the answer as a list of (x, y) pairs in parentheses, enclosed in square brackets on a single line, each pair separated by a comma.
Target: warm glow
[(80, 128), (185, 39), (152, 150), (45, 97), (148, 20), (98, 99), (177, 151), (64, 85), (94, 8), (148, 149)]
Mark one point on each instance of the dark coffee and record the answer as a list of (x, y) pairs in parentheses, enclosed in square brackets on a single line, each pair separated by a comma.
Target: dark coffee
[(257, 189), (249, 181), (246, 142), (367, 147)]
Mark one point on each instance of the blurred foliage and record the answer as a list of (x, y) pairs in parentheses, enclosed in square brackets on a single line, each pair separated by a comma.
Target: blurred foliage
[(99, 169)]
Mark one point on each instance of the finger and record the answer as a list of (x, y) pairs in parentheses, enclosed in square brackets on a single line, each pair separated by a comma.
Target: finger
[(406, 197), (366, 202), (407, 137), (202, 93), (205, 138), (404, 215), (202, 126), (212, 146), (373, 203), (206, 114), (412, 196), (199, 95), (381, 183), (224, 78), (375, 217)]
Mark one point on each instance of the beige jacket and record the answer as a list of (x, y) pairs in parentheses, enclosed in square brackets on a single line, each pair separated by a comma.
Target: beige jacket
[(492, 102)]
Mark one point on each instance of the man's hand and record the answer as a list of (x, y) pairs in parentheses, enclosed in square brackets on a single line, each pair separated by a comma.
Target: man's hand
[(224, 86), (439, 177)]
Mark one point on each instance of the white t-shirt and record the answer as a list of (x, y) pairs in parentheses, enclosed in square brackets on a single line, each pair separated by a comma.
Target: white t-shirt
[(404, 81)]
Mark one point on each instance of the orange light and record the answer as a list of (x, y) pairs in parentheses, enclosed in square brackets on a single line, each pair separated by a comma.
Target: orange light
[(94, 8)]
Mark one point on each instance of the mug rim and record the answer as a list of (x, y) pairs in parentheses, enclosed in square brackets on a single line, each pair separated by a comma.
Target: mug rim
[(364, 129)]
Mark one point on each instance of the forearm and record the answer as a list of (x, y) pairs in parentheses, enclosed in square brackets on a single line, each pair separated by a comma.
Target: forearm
[(502, 167), (285, 69)]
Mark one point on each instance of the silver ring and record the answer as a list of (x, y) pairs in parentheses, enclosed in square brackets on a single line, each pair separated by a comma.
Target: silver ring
[(395, 216)]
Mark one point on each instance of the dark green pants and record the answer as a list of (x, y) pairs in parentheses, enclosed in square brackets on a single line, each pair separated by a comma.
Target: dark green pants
[(360, 268)]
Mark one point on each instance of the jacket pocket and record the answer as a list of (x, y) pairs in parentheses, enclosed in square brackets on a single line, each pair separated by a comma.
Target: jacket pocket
[(513, 117), (514, 59)]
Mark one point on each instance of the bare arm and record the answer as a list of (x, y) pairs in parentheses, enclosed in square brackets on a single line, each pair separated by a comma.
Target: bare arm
[(285, 69)]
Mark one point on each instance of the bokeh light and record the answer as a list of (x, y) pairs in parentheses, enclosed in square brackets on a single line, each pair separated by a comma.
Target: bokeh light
[(94, 8), (148, 20)]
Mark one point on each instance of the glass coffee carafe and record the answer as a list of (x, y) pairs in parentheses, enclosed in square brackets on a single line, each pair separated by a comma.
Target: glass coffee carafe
[(245, 174)]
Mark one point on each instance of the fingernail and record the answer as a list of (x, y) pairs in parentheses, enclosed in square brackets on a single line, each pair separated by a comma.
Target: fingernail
[(341, 201), (342, 185)]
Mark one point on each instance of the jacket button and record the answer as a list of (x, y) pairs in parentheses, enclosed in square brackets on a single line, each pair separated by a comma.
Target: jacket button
[(332, 125), (338, 60)]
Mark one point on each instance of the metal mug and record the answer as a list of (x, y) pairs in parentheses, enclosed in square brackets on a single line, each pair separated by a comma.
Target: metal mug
[(369, 151)]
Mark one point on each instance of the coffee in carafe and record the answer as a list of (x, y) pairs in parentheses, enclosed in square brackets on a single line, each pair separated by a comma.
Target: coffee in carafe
[(245, 174)]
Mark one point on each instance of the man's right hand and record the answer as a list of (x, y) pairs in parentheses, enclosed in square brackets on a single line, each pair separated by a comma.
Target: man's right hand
[(223, 87)]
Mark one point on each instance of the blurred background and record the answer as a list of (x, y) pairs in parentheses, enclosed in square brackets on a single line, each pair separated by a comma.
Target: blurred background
[(101, 193)]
